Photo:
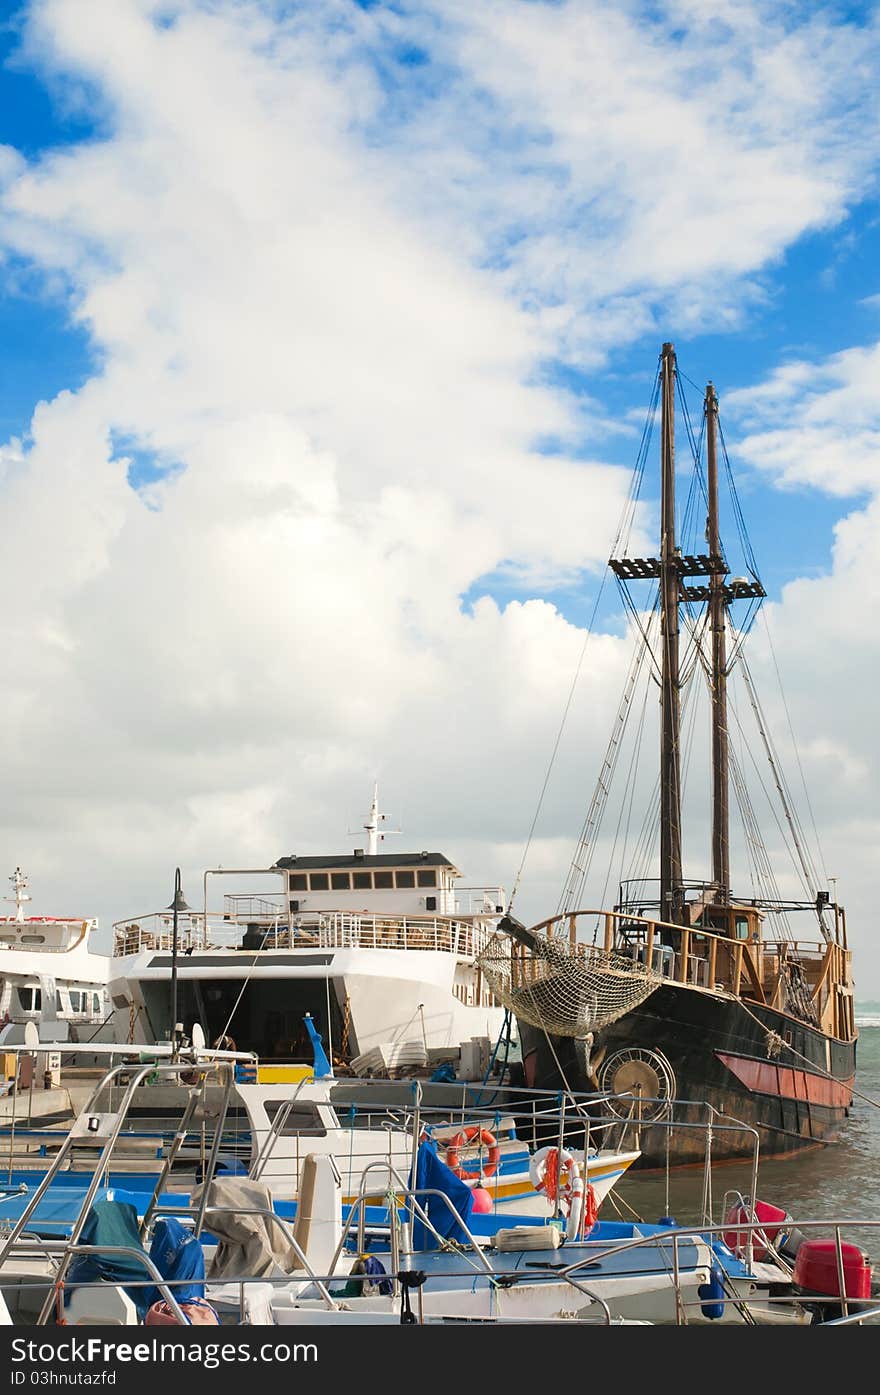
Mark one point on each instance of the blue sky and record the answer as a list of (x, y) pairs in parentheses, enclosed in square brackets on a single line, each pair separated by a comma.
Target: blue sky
[(322, 322), (810, 303), (41, 350)]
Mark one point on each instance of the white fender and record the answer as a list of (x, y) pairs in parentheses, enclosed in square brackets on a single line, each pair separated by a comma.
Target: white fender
[(575, 1215)]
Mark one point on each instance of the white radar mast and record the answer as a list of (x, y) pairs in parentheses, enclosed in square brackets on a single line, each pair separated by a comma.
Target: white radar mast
[(372, 825), (19, 886)]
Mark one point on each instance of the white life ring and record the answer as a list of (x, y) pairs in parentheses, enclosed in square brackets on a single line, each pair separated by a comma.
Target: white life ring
[(545, 1169)]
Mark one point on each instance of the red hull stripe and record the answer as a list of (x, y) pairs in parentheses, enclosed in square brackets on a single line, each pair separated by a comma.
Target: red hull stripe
[(766, 1078)]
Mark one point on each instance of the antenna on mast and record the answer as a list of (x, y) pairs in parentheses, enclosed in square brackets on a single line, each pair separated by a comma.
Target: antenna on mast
[(373, 825), (19, 886)]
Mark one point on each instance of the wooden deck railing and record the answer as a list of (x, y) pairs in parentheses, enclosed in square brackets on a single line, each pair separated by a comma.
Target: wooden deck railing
[(713, 960)]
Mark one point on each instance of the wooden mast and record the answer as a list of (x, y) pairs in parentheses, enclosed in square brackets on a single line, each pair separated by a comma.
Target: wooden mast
[(717, 618), (670, 765)]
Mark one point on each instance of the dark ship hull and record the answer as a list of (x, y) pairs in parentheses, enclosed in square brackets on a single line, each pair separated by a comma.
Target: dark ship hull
[(765, 1069)]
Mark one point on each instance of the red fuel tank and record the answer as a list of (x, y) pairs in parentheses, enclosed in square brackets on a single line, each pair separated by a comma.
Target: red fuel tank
[(816, 1269)]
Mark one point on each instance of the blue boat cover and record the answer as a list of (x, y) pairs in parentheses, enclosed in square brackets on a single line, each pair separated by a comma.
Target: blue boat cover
[(177, 1254), (431, 1172), (111, 1223)]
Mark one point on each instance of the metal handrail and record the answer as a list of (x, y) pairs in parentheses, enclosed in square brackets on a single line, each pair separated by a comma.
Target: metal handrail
[(274, 1132), (268, 1213), (132, 1253), (676, 1234), (409, 1195)]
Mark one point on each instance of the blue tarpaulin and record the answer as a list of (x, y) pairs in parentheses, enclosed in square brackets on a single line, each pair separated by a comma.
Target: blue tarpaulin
[(177, 1254), (433, 1173)]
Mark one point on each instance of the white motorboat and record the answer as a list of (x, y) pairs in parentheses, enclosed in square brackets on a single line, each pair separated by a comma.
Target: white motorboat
[(50, 975)]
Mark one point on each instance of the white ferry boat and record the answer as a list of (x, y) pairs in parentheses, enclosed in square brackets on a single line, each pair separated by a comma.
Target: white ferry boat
[(50, 975), (378, 948)]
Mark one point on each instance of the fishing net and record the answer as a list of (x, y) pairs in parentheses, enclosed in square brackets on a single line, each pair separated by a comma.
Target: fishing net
[(567, 991)]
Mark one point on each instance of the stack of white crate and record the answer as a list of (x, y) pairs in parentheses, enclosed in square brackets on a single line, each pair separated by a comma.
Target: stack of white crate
[(389, 1057)]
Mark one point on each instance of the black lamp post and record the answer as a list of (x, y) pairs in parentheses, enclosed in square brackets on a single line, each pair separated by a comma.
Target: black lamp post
[(178, 904)]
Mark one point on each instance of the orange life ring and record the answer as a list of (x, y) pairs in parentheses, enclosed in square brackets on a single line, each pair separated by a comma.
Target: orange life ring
[(461, 1140), (591, 1211)]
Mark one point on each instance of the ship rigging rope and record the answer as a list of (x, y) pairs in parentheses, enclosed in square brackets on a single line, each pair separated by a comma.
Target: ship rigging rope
[(696, 445), (644, 628), (803, 866), (808, 870), (634, 764), (621, 538), (553, 753), (745, 541), (586, 844), (650, 823), (628, 517), (588, 838), (643, 851), (794, 743), (755, 847), (767, 886), (762, 872)]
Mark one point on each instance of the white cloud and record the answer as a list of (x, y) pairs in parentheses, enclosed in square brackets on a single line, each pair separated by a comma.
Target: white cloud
[(830, 414), (322, 289), (635, 168)]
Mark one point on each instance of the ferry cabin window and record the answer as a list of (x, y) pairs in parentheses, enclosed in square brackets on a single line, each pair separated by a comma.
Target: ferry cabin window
[(302, 1119), (405, 879), (741, 927), (31, 999), (427, 878), (76, 1000), (299, 881), (96, 1002), (319, 881), (383, 880), (362, 881), (339, 881)]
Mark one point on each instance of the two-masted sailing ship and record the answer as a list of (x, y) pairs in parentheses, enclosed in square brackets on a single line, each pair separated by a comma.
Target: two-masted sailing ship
[(690, 1002)]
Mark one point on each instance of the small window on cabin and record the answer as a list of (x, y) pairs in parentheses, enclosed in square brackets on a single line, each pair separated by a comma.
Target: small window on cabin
[(300, 1119), (340, 881), (741, 927), (319, 881), (96, 1002), (383, 880), (406, 879), (31, 999), (362, 881), (299, 882), (427, 878), (76, 998), (59, 1005)]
